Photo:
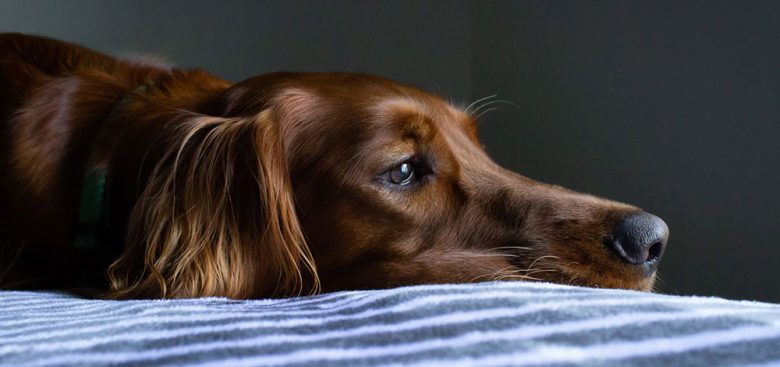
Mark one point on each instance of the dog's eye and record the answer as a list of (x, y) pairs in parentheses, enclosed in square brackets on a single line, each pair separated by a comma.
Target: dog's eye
[(406, 173), (402, 174)]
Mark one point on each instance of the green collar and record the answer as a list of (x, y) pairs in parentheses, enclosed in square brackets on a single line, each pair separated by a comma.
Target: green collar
[(94, 202), (93, 208)]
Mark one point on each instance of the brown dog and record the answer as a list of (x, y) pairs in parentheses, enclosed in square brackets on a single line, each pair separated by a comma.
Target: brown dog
[(179, 184)]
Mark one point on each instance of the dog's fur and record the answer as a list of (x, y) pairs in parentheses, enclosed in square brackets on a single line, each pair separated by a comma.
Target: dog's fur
[(282, 184)]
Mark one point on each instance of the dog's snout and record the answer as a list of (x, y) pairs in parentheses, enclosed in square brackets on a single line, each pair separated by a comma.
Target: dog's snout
[(640, 239)]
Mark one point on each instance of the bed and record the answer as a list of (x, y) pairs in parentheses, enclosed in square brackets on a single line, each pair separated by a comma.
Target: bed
[(484, 324)]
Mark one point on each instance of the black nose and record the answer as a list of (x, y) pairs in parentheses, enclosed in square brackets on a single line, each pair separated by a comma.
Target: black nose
[(640, 239)]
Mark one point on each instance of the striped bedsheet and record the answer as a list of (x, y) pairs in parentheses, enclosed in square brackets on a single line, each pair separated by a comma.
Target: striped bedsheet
[(487, 324)]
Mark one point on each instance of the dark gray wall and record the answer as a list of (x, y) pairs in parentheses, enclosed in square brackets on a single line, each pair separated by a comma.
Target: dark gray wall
[(405, 40), (667, 105), (672, 106)]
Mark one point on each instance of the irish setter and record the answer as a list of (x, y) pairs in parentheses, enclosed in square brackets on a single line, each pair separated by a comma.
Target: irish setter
[(147, 182)]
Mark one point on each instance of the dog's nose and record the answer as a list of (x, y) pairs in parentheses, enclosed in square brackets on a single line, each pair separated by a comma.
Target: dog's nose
[(640, 239)]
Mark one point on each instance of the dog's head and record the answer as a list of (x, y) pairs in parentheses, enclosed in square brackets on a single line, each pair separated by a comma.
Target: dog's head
[(389, 185)]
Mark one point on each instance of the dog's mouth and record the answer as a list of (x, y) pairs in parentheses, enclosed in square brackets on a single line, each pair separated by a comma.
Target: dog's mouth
[(588, 271), (602, 280)]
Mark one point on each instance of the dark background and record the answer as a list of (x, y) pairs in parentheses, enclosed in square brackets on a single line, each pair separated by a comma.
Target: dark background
[(671, 106)]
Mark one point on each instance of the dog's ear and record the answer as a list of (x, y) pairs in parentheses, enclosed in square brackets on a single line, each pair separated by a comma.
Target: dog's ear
[(217, 217)]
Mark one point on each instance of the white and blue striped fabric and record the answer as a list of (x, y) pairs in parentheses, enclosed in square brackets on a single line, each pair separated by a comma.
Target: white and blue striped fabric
[(487, 324)]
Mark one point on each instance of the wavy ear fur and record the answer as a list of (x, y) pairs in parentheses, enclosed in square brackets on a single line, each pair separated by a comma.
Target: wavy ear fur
[(217, 218)]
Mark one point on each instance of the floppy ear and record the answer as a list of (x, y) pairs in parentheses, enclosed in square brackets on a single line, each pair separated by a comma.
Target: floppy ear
[(216, 218)]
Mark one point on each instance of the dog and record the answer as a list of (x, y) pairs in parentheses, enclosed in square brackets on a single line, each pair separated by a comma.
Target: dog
[(147, 182)]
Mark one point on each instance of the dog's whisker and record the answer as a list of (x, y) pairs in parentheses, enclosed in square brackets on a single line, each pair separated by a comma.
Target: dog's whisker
[(659, 283), (542, 271), (531, 270), (489, 103), (488, 275), (527, 273), (487, 254), (512, 248), (541, 258), (500, 253), (498, 274), (468, 108), (485, 112), (518, 277)]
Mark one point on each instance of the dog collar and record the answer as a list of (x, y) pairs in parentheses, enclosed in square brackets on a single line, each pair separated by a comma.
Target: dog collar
[(95, 189), (93, 207)]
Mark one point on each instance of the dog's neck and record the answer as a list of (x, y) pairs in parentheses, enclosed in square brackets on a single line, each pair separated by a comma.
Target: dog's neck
[(94, 203)]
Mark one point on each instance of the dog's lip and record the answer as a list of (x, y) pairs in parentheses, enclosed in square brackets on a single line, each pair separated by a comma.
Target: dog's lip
[(597, 273), (615, 277), (642, 284)]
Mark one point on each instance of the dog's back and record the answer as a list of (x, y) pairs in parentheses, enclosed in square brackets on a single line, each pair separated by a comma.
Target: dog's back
[(56, 99), (27, 63), (39, 76)]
